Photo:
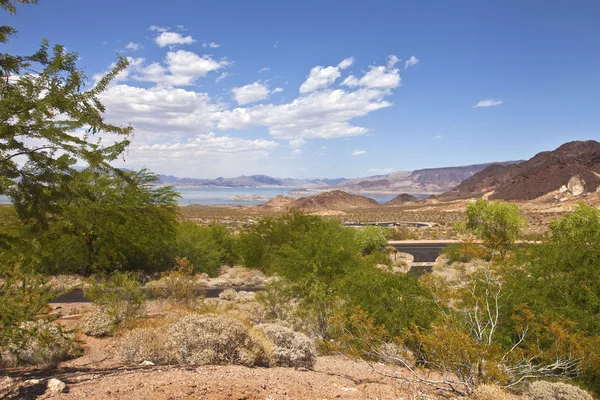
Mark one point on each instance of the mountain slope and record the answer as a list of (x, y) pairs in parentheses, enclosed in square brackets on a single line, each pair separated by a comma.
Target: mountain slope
[(544, 173)]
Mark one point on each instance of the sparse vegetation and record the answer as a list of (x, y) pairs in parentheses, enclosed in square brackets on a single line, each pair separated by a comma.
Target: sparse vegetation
[(119, 296), (541, 390)]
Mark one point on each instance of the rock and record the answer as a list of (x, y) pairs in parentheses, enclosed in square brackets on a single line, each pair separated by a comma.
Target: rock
[(56, 386), (575, 186), (563, 189), (147, 363)]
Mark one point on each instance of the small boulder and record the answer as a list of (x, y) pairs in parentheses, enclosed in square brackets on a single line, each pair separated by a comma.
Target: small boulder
[(575, 186), (56, 386), (147, 363), (563, 189)]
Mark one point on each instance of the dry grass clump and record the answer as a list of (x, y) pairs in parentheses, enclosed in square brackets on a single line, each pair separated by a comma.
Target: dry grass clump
[(290, 349), (238, 276), (146, 344), (97, 324), (179, 287), (214, 339), (541, 390), (44, 345), (491, 392), (228, 294)]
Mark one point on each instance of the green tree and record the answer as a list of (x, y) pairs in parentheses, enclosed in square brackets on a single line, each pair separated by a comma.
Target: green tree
[(47, 121), (372, 238), (114, 220), (496, 223)]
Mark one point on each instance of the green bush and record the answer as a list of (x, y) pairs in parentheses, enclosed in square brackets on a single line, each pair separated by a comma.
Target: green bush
[(394, 301), (206, 247)]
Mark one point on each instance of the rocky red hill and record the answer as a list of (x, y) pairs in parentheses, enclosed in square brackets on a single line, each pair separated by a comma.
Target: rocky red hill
[(401, 199), (574, 166)]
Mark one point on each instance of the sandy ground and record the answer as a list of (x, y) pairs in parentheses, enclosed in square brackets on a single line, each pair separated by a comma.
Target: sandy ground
[(98, 374), (334, 377)]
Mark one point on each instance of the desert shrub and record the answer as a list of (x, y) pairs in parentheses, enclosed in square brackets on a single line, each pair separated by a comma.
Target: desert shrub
[(240, 276), (276, 299), (290, 349), (97, 324), (297, 245), (119, 296), (146, 344), (541, 390), (395, 301), (228, 294), (206, 247), (43, 344), (490, 392), (178, 286), (465, 252), (24, 299), (214, 339)]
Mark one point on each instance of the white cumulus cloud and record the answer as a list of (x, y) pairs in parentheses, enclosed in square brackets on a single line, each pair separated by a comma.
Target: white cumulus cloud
[(488, 103), (181, 68), (321, 114), (211, 45), (167, 38), (412, 61), (221, 77), (392, 60), (346, 63), (358, 152), (378, 77), (319, 78), (133, 46), (250, 93)]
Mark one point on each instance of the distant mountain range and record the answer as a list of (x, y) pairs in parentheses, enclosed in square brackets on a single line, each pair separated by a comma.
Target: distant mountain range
[(423, 181), (247, 181)]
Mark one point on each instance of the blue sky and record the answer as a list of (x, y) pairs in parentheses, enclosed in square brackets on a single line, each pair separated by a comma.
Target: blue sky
[(329, 89)]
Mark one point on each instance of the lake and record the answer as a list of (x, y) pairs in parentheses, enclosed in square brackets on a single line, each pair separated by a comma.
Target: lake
[(217, 196)]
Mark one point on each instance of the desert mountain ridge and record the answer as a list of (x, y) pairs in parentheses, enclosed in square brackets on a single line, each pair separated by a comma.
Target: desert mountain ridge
[(572, 168), (423, 181)]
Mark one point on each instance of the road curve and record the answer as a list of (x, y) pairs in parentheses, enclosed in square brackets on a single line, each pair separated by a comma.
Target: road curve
[(422, 251)]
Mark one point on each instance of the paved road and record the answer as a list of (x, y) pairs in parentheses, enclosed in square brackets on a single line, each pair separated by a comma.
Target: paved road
[(421, 251), (76, 296)]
